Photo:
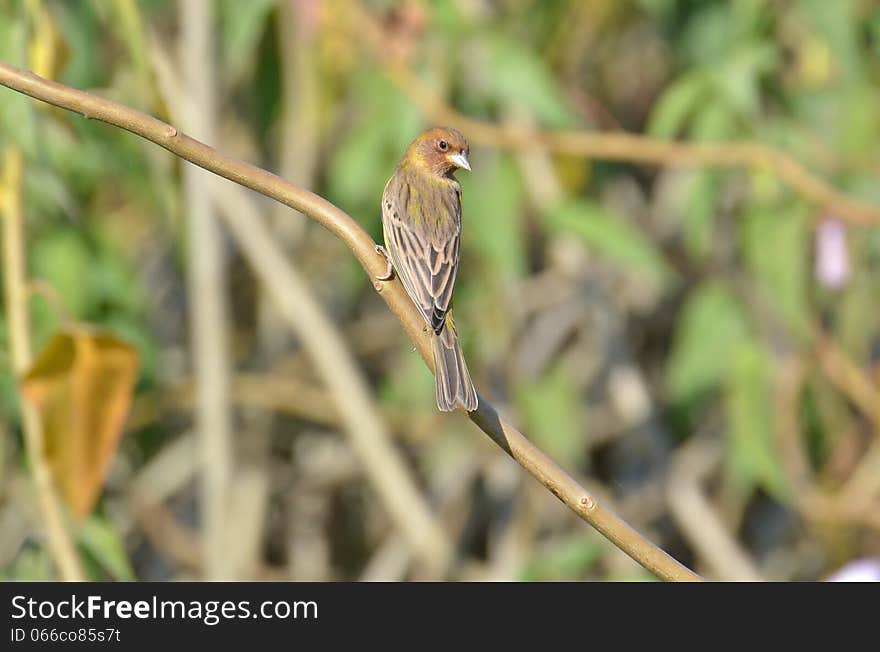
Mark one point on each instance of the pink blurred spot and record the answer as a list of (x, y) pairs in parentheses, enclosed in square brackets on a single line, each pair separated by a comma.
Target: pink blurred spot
[(832, 255), (861, 570)]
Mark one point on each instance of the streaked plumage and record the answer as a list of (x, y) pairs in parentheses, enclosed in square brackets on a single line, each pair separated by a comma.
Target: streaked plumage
[(421, 218)]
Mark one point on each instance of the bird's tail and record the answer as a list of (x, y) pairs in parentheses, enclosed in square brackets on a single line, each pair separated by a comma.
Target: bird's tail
[(453, 380)]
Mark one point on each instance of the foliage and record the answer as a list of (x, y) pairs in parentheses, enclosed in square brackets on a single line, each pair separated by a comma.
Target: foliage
[(571, 268)]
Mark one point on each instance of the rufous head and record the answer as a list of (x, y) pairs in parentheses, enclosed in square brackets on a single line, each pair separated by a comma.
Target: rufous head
[(440, 151)]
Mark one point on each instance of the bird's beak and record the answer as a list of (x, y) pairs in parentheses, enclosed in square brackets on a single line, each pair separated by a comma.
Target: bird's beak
[(460, 161)]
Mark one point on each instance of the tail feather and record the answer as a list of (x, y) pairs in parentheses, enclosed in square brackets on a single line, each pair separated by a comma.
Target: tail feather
[(454, 383)]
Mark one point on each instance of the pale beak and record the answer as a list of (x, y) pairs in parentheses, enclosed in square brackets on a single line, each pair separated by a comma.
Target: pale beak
[(460, 161)]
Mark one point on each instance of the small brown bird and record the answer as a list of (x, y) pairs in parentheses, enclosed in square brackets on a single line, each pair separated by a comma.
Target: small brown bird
[(421, 218)]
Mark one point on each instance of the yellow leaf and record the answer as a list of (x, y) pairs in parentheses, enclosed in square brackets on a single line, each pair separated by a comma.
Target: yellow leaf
[(815, 62), (81, 384), (47, 51)]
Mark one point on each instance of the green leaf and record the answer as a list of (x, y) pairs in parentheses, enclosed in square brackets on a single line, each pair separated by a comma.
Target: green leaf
[(355, 176), (859, 131), (612, 238), (111, 281), (677, 104), (552, 410), (699, 213), (872, 23), (776, 244), (101, 541), (45, 191), (709, 34), (657, 7), (738, 80), (8, 383), (715, 121), (18, 123), (241, 26), (128, 24), (520, 77), (749, 405), (32, 564), (84, 33), (63, 259), (567, 559), (366, 157), (411, 386), (492, 209), (711, 326), (837, 23)]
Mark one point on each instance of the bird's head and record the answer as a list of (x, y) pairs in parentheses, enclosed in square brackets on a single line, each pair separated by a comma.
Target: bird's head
[(440, 151)]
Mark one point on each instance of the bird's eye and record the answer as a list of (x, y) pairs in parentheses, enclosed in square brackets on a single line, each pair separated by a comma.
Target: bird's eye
[(443, 145)]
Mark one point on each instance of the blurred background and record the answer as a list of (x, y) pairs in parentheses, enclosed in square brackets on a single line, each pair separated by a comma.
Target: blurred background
[(698, 342)]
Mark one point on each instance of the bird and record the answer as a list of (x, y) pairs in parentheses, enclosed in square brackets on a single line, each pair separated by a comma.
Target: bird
[(421, 222)]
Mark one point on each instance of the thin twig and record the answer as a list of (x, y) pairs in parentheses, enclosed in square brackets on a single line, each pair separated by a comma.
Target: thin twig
[(852, 503), (206, 279), (864, 482), (298, 27), (849, 379), (60, 543), (621, 146), (697, 518), (362, 247), (281, 392), (633, 148), (270, 392), (165, 474), (610, 146)]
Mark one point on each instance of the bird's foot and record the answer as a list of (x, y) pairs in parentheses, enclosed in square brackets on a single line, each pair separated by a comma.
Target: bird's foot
[(389, 270)]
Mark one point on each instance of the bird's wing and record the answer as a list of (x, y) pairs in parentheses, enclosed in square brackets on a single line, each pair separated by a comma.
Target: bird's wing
[(424, 251)]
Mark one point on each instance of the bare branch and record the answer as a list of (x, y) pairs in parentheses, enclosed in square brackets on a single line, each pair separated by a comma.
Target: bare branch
[(699, 521), (362, 246), (208, 310)]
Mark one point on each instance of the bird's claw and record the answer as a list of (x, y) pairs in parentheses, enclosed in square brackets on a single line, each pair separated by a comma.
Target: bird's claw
[(389, 270)]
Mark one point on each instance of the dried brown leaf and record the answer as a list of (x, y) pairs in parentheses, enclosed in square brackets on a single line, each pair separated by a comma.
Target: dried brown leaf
[(81, 383)]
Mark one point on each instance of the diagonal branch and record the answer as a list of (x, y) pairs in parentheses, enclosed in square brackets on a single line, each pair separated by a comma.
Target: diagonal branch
[(362, 246)]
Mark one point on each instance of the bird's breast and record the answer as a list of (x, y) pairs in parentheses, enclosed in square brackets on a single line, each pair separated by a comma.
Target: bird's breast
[(432, 205)]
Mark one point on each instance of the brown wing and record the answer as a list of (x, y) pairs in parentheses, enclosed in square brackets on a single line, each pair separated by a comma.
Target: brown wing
[(424, 249)]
